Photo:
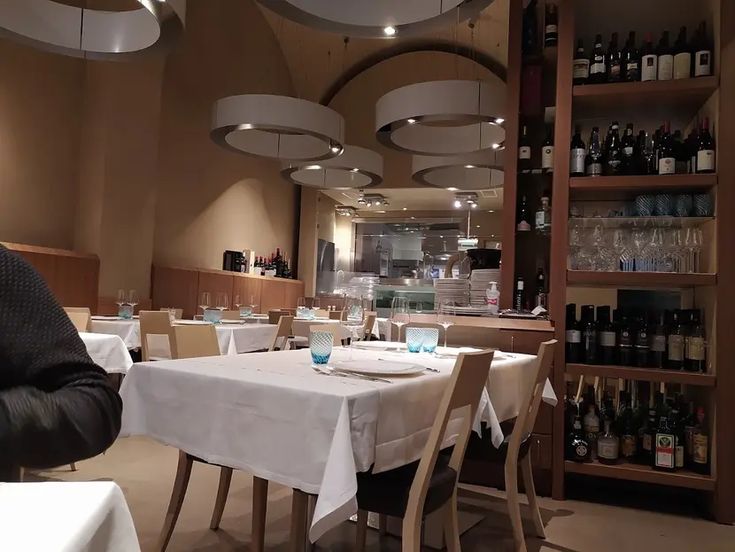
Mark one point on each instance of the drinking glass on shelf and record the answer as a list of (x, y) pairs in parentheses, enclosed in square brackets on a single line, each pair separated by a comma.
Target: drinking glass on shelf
[(204, 301), (399, 314), (693, 244), (445, 316), (676, 251)]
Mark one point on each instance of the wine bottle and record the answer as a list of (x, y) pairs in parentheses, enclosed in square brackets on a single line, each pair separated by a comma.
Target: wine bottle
[(631, 60), (598, 67), (625, 341), (543, 216), (541, 293), (589, 334), (593, 161), (642, 346), (520, 298), (524, 151), (666, 159), (530, 29), (658, 343), (675, 343), (700, 453), (578, 449), (705, 150), (613, 156), (665, 58), (695, 345), (649, 60), (664, 446), (551, 28), (580, 65), (628, 147), (682, 56), (578, 154), (524, 218), (606, 336), (702, 53), (573, 336), (613, 60), (547, 152)]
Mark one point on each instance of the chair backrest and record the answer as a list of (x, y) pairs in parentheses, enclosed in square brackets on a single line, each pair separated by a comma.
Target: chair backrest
[(532, 400), (321, 313), (283, 332), (195, 341), (463, 393), (274, 316), (336, 315), (367, 329), (335, 329), (178, 313), (231, 315), (155, 323), (402, 335), (80, 317)]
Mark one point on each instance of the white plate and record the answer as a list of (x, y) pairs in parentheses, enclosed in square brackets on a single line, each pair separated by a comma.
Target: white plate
[(378, 367), (379, 345), (231, 322)]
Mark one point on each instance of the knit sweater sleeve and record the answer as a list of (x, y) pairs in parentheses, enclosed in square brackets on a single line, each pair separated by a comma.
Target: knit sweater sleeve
[(56, 405)]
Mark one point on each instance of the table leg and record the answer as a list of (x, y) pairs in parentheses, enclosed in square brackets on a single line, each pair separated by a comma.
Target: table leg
[(299, 515), (260, 505)]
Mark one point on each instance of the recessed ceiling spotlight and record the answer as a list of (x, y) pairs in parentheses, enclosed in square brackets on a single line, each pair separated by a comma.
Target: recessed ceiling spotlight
[(377, 202), (474, 205), (441, 237), (457, 203), (405, 208), (413, 218), (389, 31), (477, 226), (312, 167), (496, 145), (491, 211), (411, 121), (355, 170), (499, 121), (452, 189), (469, 166)]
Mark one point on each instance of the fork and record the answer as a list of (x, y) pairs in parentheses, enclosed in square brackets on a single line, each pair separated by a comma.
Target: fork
[(333, 372)]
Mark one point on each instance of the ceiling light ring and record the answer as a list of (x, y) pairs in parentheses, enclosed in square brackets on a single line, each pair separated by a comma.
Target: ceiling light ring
[(475, 171), (356, 168), (94, 34)]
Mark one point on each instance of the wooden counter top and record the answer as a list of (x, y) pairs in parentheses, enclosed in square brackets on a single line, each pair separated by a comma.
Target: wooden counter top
[(231, 273), (512, 324)]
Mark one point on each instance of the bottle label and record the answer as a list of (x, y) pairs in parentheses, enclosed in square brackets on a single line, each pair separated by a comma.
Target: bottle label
[(695, 348), (700, 448), (597, 67), (628, 151), (547, 157), (614, 71), (628, 446), (705, 160), (633, 71), (664, 457), (647, 443), (682, 65), (581, 451), (607, 339), (666, 165), (658, 343), (577, 161), (702, 63), (689, 440), (649, 67), (540, 222), (581, 69), (524, 152), (676, 348), (573, 336), (665, 67), (607, 448), (679, 456), (594, 169), (551, 29)]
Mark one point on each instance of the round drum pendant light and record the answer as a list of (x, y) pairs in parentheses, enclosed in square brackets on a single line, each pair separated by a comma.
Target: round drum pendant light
[(482, 170), (377, 18), (442, 117), (279, 127), (356, 168), (89, 33)]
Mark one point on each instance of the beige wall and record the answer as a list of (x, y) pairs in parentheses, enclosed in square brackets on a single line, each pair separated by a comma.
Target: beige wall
[(40, 120)]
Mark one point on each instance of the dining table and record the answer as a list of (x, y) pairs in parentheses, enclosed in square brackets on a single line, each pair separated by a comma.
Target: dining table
[(127, 329), (275, 416), (108, 351), (65, 516)]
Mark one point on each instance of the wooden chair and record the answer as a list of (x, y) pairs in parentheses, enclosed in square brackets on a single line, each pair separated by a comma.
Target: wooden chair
[(80, 317), (274, 316), (514, 452), (335, 329), (321, 313), (416, 490), (367, 330), (336, 315), (283, 332), (195, 341), (178, 313), (155, 323), (231, 315)]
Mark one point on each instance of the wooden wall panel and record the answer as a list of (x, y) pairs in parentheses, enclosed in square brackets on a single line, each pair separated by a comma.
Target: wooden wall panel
[(215, 282), (273, 295), (175, 287), (293, 290), (247, 288)]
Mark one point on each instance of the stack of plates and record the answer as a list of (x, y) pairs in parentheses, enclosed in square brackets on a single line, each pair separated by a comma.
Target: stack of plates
[(479, 282), (451, 289)]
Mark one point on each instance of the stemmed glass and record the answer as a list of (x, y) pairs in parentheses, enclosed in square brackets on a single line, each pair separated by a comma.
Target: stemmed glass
[(133, 298), (355, 320), (316, 304), (301, 310), (204, 302), (693, 243), (399, 314), (121, 298), (444, 316), (253, 304), (222, 302)]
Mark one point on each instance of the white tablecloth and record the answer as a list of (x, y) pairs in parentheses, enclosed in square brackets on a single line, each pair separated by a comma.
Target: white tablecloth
[(108, 351), (236, 339), (127, 330), (302, 328), (271, 415), (65, 517)]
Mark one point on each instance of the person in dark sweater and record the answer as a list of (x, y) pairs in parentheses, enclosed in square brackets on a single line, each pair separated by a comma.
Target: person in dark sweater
[(56, 405)]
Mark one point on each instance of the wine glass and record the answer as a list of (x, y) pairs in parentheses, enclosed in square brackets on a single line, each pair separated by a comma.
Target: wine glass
[(204, 301), (445, 316), (222, 301), (133, 298), (399, 314), (121, 298), (236, 301), (316, 304), (301, 310), (253, 304), (355, 320)]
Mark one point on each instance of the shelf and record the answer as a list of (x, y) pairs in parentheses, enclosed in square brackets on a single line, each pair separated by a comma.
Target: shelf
[(643, 473), (600, 187), (657, 99), (642, 374), (638, 222), (639, 279)]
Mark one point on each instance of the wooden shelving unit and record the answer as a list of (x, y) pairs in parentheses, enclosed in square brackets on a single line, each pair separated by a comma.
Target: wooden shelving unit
[(644, 474), (597, 187), (657, 375), (639, 279)]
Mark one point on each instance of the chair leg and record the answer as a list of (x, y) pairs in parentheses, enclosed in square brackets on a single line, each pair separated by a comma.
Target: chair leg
[(382, 525), (451, 525), (514, 509), (260, 506), (73, 466), (183, 472), (299, 510), (412, 534), (362, 526), (225, 478), (531, 494)]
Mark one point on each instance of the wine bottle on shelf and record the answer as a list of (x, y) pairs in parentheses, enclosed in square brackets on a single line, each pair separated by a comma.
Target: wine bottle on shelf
[(694, 356), (573, 336), (690, 425), (613, 156), (543, 215), (593, 161), (524, 151), (520, 297), (692, 146), (626, 341), (702, 53), (591, 426), (551, 25), (649, 60), (541, 291), (628, 147), (641, 152), (524, 224), (678, 430), (598, 67), (664, 446), (680, 153), (658, 343), (700, 453), (530, 28), (665, 58), (682, 56), (613, 60), (675, 343), (589, 334), (642, 345), (547, 152), (606, 336), (578, 154), (705, 150), (578, 448), (666, 159), (631, 60), (580, 65)]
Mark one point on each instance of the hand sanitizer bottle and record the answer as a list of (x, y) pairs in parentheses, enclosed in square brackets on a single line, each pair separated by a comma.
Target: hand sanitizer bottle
[(493, 298)]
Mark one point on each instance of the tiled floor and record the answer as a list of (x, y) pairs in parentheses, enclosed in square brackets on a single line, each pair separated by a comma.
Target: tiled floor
[(145, 472)]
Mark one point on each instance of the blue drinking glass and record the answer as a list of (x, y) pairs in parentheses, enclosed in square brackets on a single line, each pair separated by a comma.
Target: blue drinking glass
[(430, 340), (125, 311), (320, 344), (414, 339), (302, 312), (246, 312), (213, 315)]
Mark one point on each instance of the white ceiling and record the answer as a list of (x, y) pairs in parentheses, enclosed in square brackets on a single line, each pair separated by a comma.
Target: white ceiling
[(417, 199)]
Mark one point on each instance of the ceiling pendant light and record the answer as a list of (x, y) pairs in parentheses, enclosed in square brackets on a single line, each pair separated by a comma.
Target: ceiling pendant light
[(376, 18), (90, 33), (279, 127), (442, 117), (482, 170), (356, 168)]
